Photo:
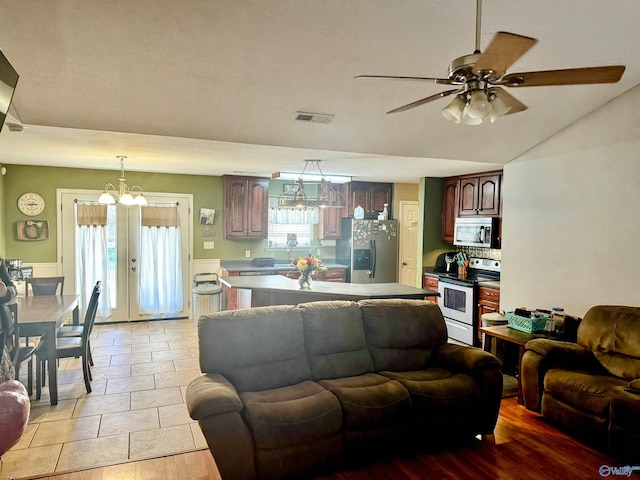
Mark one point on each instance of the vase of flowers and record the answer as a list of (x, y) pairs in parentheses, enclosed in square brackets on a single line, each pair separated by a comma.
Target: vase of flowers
[(307, 266)]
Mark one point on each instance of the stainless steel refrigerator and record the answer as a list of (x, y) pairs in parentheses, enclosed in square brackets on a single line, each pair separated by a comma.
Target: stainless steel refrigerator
[(370, 248)]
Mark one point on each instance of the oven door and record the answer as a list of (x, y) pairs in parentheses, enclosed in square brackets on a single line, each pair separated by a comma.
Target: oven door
[(456, 301)]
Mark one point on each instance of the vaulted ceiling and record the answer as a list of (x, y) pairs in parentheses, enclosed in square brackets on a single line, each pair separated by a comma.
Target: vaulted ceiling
[(212, 86)]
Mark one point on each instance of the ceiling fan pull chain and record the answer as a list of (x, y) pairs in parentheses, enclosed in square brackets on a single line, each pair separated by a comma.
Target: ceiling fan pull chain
[(478, 24)]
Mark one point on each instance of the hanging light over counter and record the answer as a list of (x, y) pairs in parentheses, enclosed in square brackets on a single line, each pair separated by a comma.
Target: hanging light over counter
[(296, 197)]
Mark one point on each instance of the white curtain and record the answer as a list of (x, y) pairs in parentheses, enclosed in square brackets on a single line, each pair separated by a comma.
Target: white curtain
[(92, 263), (160, 279), (291, 216)]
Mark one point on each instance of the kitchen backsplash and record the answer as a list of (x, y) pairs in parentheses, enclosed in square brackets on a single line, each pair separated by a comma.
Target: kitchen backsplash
[(478, 252)]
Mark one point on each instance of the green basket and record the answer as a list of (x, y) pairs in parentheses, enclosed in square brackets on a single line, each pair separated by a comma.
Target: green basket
[(525, 324)]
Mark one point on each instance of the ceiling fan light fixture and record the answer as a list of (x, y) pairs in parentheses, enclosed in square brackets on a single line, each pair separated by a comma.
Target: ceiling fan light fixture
[(498, 108), (468, 120), (479, 106), (454, 111)]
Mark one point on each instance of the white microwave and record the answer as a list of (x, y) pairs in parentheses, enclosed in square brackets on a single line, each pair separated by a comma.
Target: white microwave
[(477, 232)]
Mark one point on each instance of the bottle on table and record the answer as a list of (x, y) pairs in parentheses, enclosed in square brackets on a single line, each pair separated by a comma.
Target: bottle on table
[(558, 317)]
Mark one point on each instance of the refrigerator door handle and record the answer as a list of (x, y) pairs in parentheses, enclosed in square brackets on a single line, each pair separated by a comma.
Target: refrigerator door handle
[(373, 259)]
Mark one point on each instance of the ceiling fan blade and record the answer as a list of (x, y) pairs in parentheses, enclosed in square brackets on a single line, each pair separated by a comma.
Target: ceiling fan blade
[(512, 102), (503, 51), (571, 76), (422, 101), (445, 81)]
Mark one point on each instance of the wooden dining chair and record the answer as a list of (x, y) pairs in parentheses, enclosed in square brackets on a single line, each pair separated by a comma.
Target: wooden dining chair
[(73, 331), (73, 347), (44, 285), (18, 352)]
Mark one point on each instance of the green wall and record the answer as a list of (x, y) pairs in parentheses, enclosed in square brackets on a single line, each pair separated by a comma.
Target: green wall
[(432, 245), (206, 191)]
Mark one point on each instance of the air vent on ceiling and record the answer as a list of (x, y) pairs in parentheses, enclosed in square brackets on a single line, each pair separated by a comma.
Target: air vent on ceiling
[(313, 117)]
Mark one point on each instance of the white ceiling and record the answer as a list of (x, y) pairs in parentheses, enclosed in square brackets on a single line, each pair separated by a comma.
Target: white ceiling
[(211, 86)]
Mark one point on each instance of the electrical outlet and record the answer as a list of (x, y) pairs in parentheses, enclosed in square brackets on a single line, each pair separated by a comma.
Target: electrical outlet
[(208, 245), (247, 253)]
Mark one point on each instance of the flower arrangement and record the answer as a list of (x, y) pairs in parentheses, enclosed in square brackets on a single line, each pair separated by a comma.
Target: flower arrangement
[(306, 266)]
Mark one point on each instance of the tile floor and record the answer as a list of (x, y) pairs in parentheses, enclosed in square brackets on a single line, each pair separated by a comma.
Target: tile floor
[(136, 410)]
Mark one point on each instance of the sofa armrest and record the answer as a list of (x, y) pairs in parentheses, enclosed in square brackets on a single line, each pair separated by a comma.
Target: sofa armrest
[(212, 394), (544, 346), (541, 355), (214, 402), (464, 359), (484, 368), (634, 386)]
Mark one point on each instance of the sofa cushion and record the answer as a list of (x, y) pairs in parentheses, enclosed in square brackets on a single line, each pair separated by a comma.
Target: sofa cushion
[(255, 349), (402, 334), (293, 415), (370, 401), (613, 334), (583, 390), (437, 387), (334, 338)]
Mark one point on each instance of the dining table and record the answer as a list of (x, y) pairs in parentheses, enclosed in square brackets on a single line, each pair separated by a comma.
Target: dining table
[(40, 316)]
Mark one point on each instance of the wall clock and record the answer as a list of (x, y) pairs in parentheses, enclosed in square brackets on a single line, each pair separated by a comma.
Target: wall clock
[(31, 204)]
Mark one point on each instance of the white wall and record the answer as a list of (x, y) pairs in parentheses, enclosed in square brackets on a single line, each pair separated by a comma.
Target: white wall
[(571, 223)]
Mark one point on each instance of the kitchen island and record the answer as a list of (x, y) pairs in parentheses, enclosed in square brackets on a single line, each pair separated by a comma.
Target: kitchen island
[(267, 290)]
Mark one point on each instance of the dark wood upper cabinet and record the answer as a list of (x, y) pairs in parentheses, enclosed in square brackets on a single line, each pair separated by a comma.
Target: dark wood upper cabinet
[(370, 196), (330, 219), (449, 208), (479, 195), (246, 201), (470, 196)]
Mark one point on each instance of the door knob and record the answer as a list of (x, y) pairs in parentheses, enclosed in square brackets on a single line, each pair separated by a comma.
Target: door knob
[(404, 264)]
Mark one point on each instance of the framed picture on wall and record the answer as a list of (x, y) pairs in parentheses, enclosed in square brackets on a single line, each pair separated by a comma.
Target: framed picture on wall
[(207, 216)]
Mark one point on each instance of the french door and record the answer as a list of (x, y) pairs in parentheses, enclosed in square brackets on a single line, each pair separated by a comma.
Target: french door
[(148, 267)]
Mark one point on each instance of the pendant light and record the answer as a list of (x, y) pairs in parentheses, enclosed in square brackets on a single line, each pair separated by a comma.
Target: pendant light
[(124, 195)]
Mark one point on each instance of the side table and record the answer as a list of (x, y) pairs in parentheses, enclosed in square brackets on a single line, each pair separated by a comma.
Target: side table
[(517, 337)]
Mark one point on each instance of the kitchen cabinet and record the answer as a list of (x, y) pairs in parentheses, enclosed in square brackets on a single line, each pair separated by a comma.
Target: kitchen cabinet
[(488, 302), (229, 295), (338, 275), (246, 201), (330, 219), (479, 195), (291, 273), (370, 196), (449, 208), (430, 283)]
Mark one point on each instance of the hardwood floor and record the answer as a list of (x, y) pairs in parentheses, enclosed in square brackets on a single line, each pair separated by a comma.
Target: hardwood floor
[(523, 446)]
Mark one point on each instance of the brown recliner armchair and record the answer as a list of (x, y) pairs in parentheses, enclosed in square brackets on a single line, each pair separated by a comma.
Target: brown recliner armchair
[(591, 388)]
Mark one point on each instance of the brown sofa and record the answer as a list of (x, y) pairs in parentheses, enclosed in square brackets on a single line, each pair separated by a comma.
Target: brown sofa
[(591, 388), (290, 391)]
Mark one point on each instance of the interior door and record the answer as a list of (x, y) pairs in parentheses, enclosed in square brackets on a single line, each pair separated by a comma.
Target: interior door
[(408, 268), (124, 251)]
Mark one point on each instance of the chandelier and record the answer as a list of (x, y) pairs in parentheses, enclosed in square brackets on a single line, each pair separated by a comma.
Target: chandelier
[(124, 195), (477, 103), (295, 195)]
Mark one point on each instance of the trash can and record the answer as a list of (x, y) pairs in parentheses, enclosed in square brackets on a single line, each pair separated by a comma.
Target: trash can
[(206, 295)]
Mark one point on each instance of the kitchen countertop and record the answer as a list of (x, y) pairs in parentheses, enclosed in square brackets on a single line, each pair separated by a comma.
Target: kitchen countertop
[(325, 290), (431, 272), (281, 265)]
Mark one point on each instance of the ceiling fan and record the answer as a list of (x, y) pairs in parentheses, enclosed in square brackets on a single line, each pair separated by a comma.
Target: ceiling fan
[(481, 76)]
